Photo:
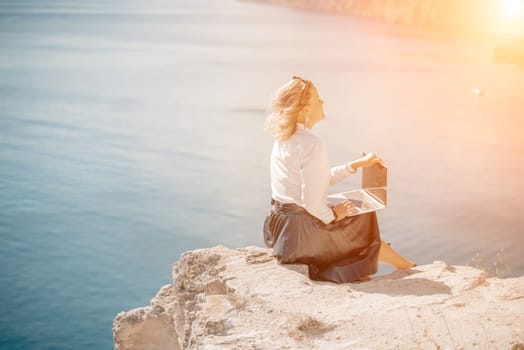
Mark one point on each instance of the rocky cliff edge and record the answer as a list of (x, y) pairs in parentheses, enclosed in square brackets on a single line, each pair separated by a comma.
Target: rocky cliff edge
[(242, 299)]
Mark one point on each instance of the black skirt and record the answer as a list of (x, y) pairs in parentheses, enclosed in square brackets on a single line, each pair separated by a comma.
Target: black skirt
[(339, 252)]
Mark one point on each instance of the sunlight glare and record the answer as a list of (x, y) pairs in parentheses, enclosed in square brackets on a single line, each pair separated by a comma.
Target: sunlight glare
[(512, 9)]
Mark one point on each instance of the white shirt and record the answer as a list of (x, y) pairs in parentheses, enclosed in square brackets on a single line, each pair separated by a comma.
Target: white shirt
[(300, 173)]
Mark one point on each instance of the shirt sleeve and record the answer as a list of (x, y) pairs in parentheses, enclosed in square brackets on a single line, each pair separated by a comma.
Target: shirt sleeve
[(339, 173), (315, 175)]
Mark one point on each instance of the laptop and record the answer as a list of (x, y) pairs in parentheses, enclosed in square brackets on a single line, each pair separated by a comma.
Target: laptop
[(373, 194)]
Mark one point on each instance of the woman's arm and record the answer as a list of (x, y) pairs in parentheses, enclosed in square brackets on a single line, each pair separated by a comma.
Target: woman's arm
[(314, 173), (339, 173)]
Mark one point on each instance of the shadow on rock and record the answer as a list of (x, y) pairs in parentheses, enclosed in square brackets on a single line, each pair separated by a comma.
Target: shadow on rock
[(411, 286)]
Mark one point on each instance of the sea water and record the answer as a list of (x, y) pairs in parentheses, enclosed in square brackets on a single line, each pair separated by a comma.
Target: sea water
[(132, 131)]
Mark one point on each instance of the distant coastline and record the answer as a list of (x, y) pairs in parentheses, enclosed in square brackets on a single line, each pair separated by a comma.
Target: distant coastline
[(456, 16)]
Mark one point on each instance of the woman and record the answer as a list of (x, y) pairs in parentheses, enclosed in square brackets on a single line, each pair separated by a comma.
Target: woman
[(302, 227)]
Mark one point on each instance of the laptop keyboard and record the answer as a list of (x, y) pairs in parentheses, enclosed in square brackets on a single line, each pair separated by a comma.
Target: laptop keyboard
[(367, 202)]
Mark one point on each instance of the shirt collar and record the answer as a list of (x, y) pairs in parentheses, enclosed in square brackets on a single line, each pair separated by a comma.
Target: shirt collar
[(301, 127)]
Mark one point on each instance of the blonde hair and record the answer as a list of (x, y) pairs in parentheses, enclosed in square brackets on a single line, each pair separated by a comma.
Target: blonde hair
[(287, 105)]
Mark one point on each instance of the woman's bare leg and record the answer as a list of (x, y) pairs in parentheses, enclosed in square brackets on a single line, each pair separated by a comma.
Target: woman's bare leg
[(389, 256)]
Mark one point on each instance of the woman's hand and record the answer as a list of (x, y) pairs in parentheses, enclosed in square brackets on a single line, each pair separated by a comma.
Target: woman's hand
[(342, 209), (368, 159)]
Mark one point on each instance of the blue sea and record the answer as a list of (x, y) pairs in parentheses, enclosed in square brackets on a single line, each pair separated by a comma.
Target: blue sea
[(132, 131)]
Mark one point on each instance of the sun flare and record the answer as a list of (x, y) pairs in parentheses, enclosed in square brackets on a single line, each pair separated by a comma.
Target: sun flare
[(512, 9)]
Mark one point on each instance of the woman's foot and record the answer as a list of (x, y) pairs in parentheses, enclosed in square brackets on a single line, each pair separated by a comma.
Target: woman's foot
[(363, 279), (389, 256)]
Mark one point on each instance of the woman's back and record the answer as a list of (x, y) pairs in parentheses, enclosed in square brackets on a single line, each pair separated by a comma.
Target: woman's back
[(287, 160)]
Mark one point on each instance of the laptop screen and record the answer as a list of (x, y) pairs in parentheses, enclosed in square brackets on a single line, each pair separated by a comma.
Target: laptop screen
[(375, 181)]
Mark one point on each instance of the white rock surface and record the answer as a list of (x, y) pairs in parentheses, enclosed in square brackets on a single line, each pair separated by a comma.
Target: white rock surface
[(242, 299)]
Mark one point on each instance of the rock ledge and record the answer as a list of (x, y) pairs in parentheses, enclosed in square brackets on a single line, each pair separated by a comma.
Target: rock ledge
[(242, 299)]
